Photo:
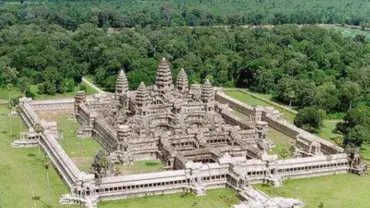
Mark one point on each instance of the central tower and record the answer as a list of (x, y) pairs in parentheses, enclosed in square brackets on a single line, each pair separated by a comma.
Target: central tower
[(164, 77)]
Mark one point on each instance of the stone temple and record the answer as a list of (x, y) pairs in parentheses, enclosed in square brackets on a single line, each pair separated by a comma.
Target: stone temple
[(205, 139), (176, 124)]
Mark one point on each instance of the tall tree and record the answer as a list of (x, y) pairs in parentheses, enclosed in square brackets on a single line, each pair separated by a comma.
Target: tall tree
[(10, 107), (350, 92), (356, 136), (310, 119)]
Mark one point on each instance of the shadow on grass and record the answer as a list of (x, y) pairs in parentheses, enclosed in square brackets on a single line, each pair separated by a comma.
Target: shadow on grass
[(36, 157), (31, 155), (38, 198), (151, 164), (265, 185)]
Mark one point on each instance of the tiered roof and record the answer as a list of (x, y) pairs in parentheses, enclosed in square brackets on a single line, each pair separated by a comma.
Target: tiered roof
[(207, 91), (164, 77), (182, 81), (122, 83), (142, 95)]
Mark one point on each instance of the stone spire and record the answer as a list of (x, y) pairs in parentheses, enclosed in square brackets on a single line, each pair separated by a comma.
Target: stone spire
[(182, 81), (207, 92), (164, 77), (121, 83), (142, 95)]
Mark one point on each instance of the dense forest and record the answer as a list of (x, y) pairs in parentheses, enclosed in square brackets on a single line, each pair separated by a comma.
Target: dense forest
[(301, 66), (141, 13), (54, 43)]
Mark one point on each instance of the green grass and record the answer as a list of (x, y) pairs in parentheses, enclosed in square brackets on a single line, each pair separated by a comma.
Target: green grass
[(38, 96), (81, 151), (75, 147), (326, 131), (216, 198), (365, 152), (34, 89), (22, 174), (246, 98), (252, 101), (91, 79), (281, 141), (344, 191), (4, 94), (145, 166)]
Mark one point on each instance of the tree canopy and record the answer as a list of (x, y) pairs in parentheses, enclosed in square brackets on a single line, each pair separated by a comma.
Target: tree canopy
[(140, 13), (310, 119), (356, 127), (54, 43), (301, 66)]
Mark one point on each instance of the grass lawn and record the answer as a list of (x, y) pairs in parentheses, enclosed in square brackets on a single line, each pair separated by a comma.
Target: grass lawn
[(280, 140), (91, 79), (216, 198), (4, 94), (246, 98), (34, 89), (81, 151), (326, 131), (365, 152), (145, 166), (344, 191), (252, 101), (22, 175)]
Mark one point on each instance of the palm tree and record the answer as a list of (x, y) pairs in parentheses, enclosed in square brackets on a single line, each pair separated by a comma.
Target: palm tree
[(10, 107), (9, 87), (291, 96), (284, 153), (19, 111), (38, 129), (46, 166)]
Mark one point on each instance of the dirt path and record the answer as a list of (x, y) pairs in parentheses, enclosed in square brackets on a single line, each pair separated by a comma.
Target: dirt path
[(92, 85)]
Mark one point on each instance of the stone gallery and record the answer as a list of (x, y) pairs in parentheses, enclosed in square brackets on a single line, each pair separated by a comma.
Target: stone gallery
[(204, 138)]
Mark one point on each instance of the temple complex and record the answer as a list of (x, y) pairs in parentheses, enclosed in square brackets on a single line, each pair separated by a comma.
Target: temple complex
[(193, 130), (176, 124)]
